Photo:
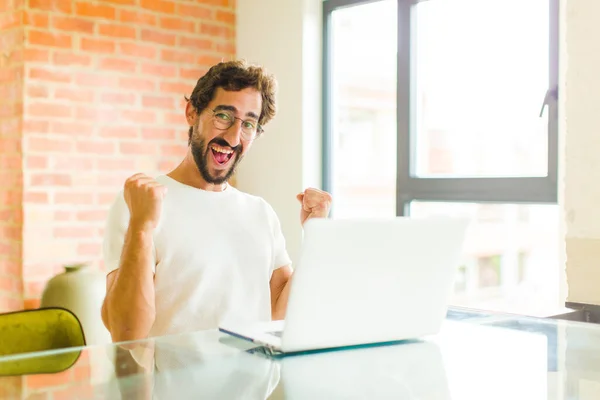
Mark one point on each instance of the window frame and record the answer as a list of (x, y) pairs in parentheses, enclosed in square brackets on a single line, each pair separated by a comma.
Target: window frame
[(409, 187)]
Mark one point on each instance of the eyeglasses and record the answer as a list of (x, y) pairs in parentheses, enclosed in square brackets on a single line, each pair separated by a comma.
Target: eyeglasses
[(224, 120)]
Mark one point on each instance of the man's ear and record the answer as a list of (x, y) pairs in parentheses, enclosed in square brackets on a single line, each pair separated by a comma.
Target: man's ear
[(190, 113)]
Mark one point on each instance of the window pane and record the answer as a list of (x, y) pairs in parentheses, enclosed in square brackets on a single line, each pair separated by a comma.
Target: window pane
[(363, 71), (511, 256), (481, 76)]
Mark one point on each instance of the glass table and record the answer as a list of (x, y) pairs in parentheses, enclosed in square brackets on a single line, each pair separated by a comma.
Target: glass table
[(476, 355)]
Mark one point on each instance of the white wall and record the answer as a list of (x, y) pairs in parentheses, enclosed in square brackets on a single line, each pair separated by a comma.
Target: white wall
[(581, 123), (285, 37)]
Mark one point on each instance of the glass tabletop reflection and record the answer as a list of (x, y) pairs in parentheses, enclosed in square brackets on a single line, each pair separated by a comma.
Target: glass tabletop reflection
[(476, 355)]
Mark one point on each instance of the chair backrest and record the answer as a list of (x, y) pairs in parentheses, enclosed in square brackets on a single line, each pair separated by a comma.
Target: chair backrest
[(43, 329)]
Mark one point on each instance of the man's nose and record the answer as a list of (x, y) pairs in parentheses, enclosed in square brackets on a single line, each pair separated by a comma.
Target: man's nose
[(234, 133)]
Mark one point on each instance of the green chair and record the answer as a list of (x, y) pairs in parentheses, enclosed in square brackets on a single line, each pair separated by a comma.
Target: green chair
[(25, 332)]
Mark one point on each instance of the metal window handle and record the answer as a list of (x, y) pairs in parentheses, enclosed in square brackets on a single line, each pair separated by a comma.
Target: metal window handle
[(550, 93)]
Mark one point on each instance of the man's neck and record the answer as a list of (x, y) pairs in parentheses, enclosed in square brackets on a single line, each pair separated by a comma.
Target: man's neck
[(187, 173)]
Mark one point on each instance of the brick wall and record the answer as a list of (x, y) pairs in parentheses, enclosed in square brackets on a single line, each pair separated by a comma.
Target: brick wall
[(104, 88), (11, 182)]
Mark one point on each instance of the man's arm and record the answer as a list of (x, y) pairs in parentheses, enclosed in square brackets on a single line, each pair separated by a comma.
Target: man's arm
[(280, 284), (128, 310)]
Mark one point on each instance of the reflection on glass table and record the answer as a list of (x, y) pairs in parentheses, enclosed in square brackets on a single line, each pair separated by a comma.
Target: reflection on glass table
[(477, 355)]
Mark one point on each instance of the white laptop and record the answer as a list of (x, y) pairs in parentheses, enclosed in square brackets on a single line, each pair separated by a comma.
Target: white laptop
[(363, 282)]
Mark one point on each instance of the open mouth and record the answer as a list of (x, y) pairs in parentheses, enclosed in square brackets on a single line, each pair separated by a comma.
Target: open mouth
[(221, 155)]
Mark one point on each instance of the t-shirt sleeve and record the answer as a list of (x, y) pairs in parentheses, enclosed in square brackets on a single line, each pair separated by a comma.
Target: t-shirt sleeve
[(114, 233), (281, 257)]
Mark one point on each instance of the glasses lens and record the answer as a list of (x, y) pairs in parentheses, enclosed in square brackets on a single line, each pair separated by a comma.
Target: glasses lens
[(222, 119)]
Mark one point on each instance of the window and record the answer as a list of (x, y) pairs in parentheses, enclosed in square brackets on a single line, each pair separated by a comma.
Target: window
[(436, 107)]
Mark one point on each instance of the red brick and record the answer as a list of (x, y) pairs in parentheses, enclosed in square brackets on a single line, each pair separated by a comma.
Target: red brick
[(36, 19), (10, 162), (142, 117), (137, 18), (91, 215), (178, 88), (142, 85), (62, 215), (11, 20), (87, 9), (137, 50), (221, 3), (228, 48), (73, 198), (10, 232), (118, 31), (73, 24), (110, 181), (194, 11), (95, 147), (173, 150), (49, 75), (174, 118), (48, 380), (225, 16), (32, 304), (178, 56), (35, 197), (73, 232), (49, 39), (192, 73), (48, 145), (119, 132), (177, 24), (97, 45), (122, 2), (137, 148), (79, 94), (50, 180), (117, 64), (105, 198), (118, 98), (37, 92), (216, 30), (70, 59), (115, 164), (168, 39), (48, 110), (158, 133), (195, 43), (168, 165), (160, 102), (162, 70), (208, 60), (10, 267), (36, 55), (35, 126), (63, 6), (94, 114), (70, 128), (159, 5), (36, 162), (66, 163), (94, 80)]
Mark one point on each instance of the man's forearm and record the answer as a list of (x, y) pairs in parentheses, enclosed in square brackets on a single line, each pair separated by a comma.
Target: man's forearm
[(129, 310), (281, 302)]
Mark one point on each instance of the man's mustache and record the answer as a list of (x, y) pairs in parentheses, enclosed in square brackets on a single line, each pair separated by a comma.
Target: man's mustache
[(223, 143)]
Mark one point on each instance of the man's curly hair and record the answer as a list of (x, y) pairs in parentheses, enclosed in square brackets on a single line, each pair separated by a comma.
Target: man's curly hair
[(235, 76)]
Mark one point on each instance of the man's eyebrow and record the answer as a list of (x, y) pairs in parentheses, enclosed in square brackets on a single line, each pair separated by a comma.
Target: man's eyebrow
[(234, 110)]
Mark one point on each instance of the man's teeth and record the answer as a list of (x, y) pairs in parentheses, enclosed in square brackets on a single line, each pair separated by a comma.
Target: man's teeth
[(221, 150)]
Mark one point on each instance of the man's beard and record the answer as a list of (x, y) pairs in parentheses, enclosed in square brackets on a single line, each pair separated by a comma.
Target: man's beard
[(201, 153)]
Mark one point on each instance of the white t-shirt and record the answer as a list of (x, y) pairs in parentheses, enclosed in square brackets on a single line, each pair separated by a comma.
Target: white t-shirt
[(214, 256)]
